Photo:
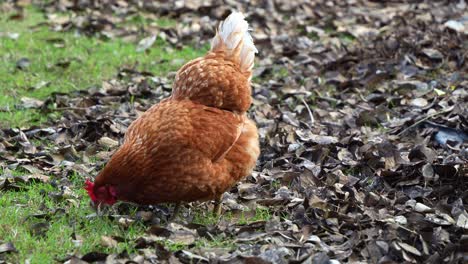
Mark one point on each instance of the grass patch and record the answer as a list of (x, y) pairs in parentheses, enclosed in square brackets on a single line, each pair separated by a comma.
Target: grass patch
[(63, 62), (260, 214), (346, 37), (173, 246), (208, 218), (45, 229), (218, 241)]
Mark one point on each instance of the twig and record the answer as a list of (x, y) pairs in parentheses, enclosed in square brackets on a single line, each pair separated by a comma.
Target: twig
[(69, 108), (312, 120), (424, 119), (329, 99)]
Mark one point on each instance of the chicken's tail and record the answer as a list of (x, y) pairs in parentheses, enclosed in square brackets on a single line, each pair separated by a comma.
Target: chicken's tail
[(233, 37)]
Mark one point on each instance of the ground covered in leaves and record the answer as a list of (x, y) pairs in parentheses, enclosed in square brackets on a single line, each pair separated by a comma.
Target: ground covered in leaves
[(362, 109)]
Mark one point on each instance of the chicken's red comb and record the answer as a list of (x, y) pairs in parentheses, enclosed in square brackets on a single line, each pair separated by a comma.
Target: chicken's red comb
[(89, 187)]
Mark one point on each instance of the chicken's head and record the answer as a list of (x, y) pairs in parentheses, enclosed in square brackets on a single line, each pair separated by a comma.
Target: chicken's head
[(101, 195)]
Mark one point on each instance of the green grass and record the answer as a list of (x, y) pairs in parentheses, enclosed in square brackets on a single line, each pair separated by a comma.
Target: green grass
[(88, 62), (218, 241), (346, 37), (260, 214), (62, 227)]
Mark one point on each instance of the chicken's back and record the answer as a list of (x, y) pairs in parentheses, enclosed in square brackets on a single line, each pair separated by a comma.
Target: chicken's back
[(214, 80)]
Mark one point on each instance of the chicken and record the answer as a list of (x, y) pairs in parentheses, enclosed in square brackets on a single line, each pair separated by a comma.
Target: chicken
[(197, 143)]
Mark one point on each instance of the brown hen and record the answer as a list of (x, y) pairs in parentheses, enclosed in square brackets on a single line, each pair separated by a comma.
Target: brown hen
[(196, 144)]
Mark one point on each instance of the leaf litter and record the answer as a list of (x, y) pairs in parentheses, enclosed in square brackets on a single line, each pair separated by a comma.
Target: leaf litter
[(362, 111)]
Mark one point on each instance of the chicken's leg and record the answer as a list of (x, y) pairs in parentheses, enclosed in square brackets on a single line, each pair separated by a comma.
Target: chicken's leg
[(217, 206), (175, 212)]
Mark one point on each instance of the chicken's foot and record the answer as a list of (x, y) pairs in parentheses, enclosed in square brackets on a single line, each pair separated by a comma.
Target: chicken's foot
[(217, 206)]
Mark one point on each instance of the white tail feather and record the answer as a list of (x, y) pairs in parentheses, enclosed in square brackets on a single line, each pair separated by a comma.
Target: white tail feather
[(234, 31)]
